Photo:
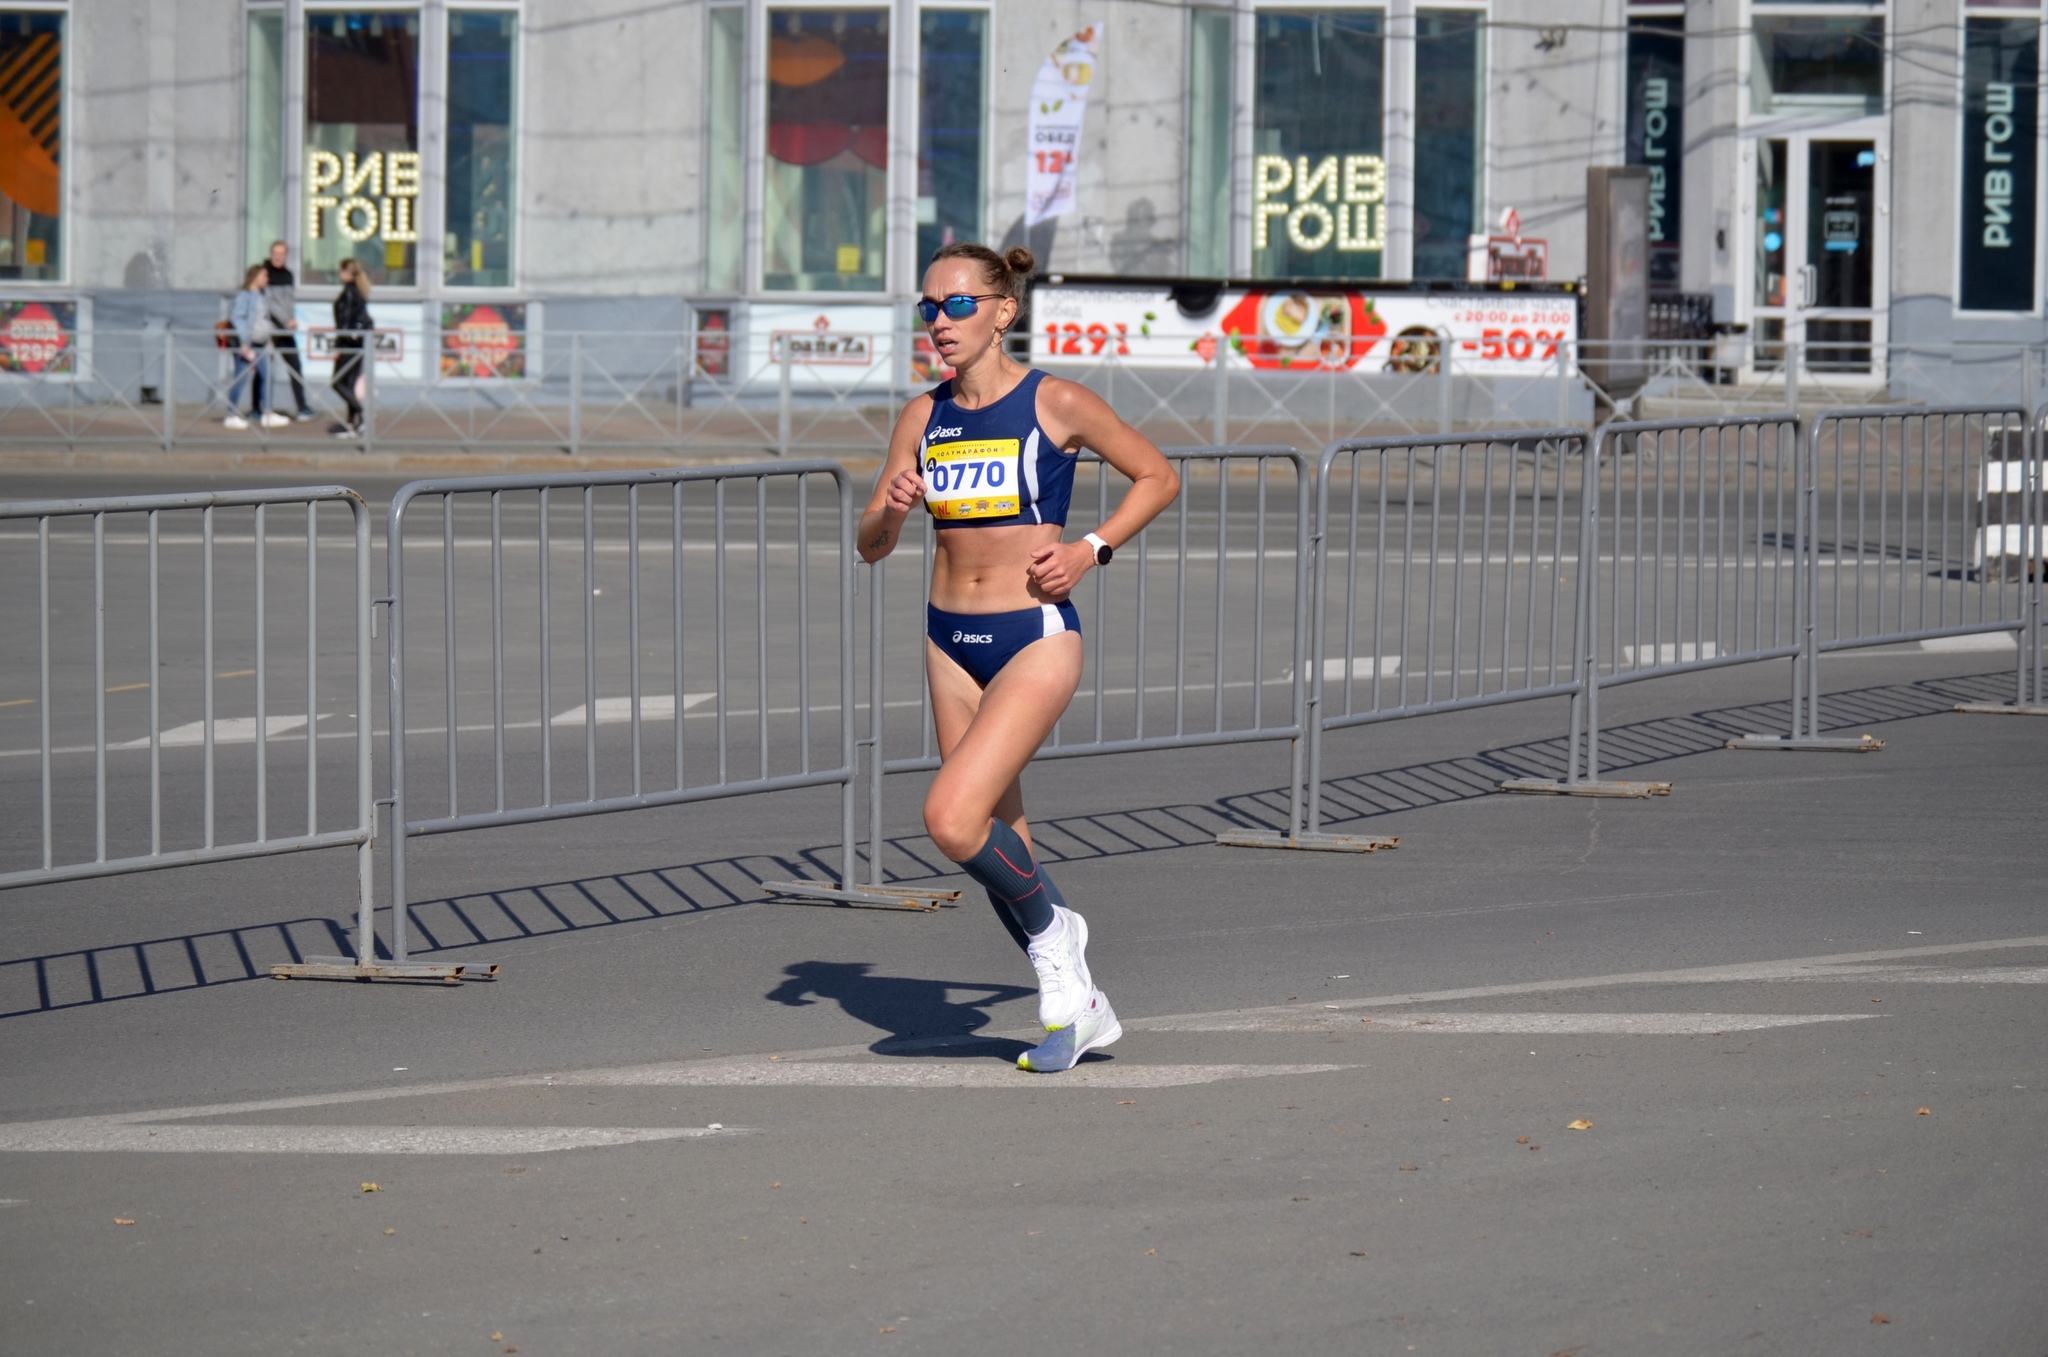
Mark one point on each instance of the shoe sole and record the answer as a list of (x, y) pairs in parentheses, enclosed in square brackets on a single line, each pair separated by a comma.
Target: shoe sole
[(1106, 1035)]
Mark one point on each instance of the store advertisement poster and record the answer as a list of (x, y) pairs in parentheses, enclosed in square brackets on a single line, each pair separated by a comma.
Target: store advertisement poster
[(835, 347), (401, 339), (1294, 329), (36, 337), (1059, 101), (484, 341)]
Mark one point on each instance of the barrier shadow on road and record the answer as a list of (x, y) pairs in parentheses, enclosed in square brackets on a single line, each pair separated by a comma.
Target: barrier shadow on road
[(178, 963)]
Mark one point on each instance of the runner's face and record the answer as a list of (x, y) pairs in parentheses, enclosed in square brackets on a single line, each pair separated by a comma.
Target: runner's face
[(962, 341)]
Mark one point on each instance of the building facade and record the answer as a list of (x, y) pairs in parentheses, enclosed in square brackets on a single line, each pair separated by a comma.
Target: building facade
[(1832, 172)]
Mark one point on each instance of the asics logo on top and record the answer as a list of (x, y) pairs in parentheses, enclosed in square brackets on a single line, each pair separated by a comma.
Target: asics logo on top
[(974, 638), (930, 434)]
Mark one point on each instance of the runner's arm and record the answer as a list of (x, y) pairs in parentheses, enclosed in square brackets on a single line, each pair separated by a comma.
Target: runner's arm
[(1080, 418), (898, 489)]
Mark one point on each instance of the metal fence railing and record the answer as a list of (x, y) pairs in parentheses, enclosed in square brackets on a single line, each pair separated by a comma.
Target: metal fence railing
[(191, 658), (1443, 579), (1924, 527), (1690, 536), (645, 639)]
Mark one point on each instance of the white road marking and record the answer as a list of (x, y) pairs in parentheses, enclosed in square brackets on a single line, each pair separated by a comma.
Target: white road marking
[(226, 730), (853, 1066), (1516, 1024), (801, 1073), (91, 1135), (619, 710)]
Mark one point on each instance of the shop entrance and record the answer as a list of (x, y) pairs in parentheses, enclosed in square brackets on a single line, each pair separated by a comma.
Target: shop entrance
[(1819, 291)]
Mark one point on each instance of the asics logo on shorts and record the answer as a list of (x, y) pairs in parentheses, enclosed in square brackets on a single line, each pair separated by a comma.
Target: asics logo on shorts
[(973, 638)]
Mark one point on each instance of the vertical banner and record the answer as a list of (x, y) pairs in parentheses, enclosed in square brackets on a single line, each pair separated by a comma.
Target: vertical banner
[(1656, 133), (1059, 100), (2001, 162)]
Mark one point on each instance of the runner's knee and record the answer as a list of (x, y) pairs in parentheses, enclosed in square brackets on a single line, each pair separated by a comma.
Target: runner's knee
[(956, 831)]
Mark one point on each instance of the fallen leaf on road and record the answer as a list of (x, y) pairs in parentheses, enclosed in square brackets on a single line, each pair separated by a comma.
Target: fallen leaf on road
[(887, 1328), (1443, 1100), (1411, 1168), (1521, 1140), (1360, 1253), (119, 1221), (371, 1187), (777, 1057), (497, 1338), (775, 1184), (1924, 1112), (1126, 1102), (1535, 1147), (391, 1232), (511, 1347), (1877, 1001), (1880, 1318), (1365, 1019), (1580, 1125), (1151, 1253)]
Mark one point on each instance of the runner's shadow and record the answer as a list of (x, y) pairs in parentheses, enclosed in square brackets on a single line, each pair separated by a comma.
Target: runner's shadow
[(920, 1017)]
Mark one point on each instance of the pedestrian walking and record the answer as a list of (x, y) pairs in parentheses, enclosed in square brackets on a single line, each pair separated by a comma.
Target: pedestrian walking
[(352, 329), (250, 320), (281, 293), (990, 454)]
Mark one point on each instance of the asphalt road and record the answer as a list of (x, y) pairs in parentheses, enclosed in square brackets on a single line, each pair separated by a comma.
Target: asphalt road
[(803, 1132)]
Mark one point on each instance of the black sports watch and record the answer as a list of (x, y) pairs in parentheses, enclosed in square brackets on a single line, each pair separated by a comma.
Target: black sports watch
[(1103, 550)]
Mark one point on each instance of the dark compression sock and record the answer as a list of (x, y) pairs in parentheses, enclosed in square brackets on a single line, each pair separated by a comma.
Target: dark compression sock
[(1016, 883)]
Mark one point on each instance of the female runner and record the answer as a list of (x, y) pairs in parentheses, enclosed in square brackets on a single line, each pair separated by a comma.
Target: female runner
[(990, 453)]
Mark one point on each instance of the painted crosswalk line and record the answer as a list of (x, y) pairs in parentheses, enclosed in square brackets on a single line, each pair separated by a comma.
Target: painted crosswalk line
[(1518, 1024), (987, 1074), (96, 1135)]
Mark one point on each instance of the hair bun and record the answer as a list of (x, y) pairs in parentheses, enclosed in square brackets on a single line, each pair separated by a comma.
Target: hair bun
[(1021, 261)]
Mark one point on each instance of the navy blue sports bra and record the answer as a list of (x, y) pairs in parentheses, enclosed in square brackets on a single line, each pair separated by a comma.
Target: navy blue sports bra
[(995, 465)]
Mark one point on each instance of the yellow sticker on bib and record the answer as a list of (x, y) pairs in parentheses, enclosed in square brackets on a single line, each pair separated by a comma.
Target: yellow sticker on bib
[(975, 479)]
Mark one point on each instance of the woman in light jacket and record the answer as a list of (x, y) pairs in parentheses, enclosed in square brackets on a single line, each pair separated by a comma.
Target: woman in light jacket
[(251, 321)]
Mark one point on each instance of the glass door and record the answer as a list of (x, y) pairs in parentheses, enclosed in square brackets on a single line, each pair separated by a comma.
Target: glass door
[(1818, 286)]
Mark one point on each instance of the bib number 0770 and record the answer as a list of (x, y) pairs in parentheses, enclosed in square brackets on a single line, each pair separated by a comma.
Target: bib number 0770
[(954, 476)]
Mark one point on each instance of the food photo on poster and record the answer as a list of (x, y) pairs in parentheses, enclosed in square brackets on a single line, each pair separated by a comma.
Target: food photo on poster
[(483, 341), (1307, 326), (35, 336)]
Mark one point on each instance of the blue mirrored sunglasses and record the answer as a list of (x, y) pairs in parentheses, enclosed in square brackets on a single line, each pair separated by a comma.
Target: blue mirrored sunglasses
[(959, 306)]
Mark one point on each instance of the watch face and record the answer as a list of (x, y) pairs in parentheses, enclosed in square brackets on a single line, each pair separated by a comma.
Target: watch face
[(1103, 553)]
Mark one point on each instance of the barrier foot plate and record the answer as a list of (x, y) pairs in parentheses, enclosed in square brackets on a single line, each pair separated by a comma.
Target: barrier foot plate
[(864, 897), (2001, 709), (348, 968), (1860, 744), (1543, 787), (1315, 843)]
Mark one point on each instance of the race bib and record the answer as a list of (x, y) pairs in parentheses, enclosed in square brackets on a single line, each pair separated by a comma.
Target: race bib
[(975, 479)]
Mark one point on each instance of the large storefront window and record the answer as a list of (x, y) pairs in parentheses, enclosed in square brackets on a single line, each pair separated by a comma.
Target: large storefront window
[(31, 145), (1807, 64), (1656, 132), (2001, 163), (1448, 139), (362, 171), (725, 207), (826, 192), (477, 250), (1319, 183), (951, 98)]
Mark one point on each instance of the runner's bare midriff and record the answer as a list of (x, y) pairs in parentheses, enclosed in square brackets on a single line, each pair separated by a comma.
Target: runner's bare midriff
[(983, 570)]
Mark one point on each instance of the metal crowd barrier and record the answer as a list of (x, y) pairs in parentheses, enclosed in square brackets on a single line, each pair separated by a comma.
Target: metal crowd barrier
[(1925, 526), (1194, 633), (1690, 533), (136, 608), (1442, 572), (738, 702)]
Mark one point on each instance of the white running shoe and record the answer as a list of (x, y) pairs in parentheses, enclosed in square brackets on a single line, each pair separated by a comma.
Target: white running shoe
[(1059, 955), (235, 422), (1095, 1028), (273, 420)]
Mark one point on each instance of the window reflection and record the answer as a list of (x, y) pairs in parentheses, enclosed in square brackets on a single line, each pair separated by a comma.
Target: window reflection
[(826, 190), (362, 145), (31, 144), (1807, 63), (1318, 180), (478, 249)]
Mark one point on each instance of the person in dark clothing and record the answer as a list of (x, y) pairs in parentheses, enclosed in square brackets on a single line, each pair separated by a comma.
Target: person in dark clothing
[(352, 330), (279, 296)]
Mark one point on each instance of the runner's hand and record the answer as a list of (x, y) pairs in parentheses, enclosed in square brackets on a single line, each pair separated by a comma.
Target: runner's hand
[(905, 491), (1059, 566)]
